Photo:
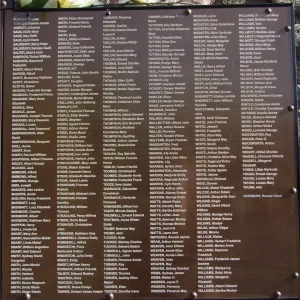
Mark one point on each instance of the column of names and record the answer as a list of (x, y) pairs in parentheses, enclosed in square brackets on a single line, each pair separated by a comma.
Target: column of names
[(31, 156), (77, 232)]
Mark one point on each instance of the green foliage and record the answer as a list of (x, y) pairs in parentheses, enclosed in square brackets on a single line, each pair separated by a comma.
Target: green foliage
[(32, 4), (35, 4)]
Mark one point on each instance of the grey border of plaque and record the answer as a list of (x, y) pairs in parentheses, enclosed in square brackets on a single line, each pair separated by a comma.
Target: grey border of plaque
[(1, 97), (10, 6)]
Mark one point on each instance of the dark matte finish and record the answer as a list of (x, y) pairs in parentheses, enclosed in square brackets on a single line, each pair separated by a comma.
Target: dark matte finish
[(149, 153)]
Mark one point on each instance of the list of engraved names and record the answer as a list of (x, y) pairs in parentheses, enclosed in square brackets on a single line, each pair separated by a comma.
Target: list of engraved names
[(134, 141)]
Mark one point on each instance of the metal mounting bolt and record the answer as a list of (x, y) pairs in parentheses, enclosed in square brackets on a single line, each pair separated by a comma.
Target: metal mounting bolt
[(27, 296), (291, 108), (3, 4), (287, 28), (295, 275), (268, 11), (193, 295), (110, 296), (277, 294), (108, 13), (188, 11), (293, 191), (28, 15)]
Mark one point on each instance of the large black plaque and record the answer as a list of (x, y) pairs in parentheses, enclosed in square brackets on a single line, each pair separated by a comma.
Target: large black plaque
[(149, 153)]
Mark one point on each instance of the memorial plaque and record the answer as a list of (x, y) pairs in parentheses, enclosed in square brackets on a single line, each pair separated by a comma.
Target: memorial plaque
[(150, 153)]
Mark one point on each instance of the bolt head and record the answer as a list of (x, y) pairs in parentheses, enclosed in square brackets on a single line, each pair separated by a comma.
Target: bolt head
[(110, 296), (268, 11), (108, 13), (27, 296), (291, 108), (28, 15), (3, 4), (193, 295), (277, 294), (188, 11), (295, 275), (293, 191), (287, 28)]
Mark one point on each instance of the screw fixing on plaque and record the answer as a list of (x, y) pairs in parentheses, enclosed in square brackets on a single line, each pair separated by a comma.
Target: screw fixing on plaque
[(277, 295), (188, 12), (109, 296), (27, 296), (287, 28), (268, 11)]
